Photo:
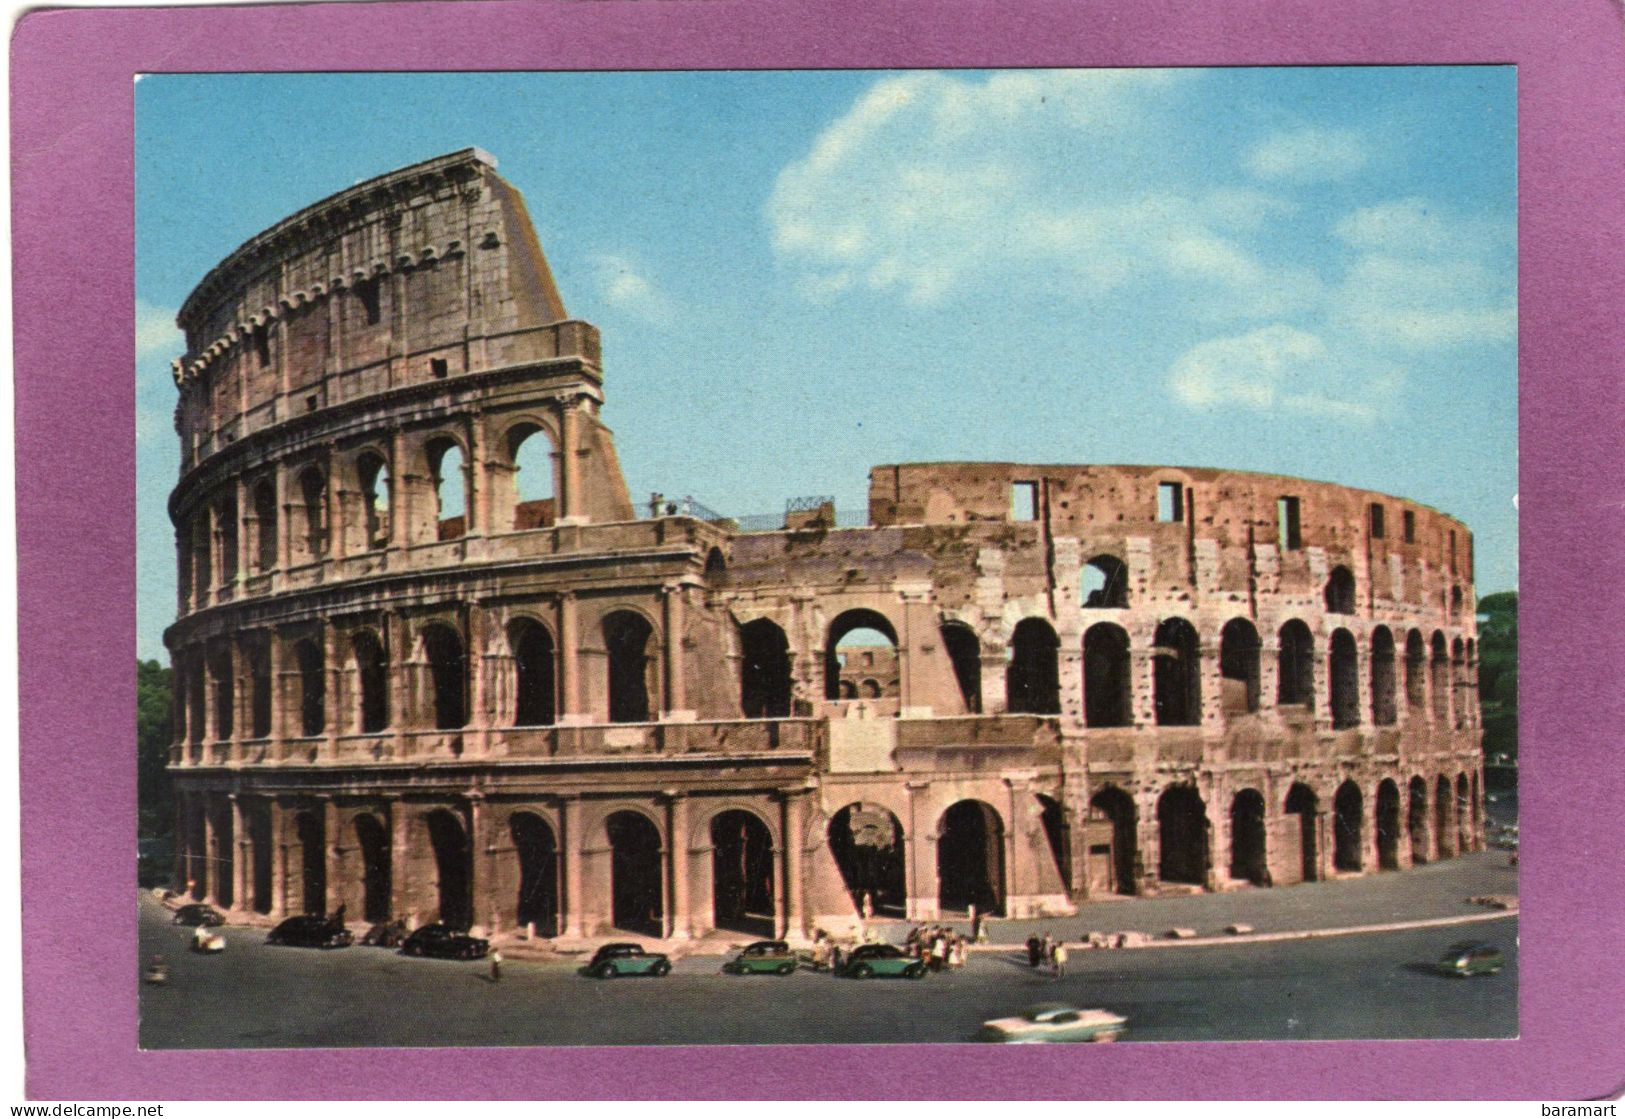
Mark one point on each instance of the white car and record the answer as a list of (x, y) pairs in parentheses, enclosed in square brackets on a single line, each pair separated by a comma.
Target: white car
[(1054, 1021)]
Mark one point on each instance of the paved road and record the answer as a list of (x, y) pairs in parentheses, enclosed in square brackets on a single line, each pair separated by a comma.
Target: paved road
[(1363, 986)]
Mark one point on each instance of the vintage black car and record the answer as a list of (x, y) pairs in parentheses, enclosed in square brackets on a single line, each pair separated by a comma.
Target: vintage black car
[(199, 914), (626, 959), (313, 930), (445, 943)]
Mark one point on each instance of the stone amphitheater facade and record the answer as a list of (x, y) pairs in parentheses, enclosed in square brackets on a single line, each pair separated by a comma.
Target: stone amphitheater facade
[(417, 677)]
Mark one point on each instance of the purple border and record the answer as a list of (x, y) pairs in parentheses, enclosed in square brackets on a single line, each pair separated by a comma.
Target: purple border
[(72, 215)]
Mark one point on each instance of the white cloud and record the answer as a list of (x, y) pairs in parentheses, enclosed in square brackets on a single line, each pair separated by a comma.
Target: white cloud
[(1308, 155), (622, 284), (1282, 368), (156, 334)]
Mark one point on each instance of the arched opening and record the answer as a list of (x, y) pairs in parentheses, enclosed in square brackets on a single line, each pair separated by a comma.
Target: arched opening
[(855, 630), (764, 670), (223, 869), (1247, 841), (449, 477), (1416, 821), (534, 689), (1387, 825), (716, 566), (866, 842), (313, 497), (1444, 819), (1415, 678), (452, 858), (869, 689), (1340, 591), (373, 474), (965, 653), (531, 452), (1302, 801), (538, 854), (448, 676), (1348, 826), (1033, 681), (636, 895), (312, 861), (202, 561), (626, 641), (1177, 676), (1384, 710), (742, 873), (259, 691), (197, 862), (1464, 815), (312, 688), (1439, 679), (1118, 807), (265, 525), (849, 690), (372, 674), (224, 699), (1455, 602), (1238, 667), (1344, 670), (225, 521), (1105, 584), (373, 839), (196, 701), (1458, 682), (1107, 687), (970, 859), (1058, 832), (1182, 836), (1296, 666), (257, 819)]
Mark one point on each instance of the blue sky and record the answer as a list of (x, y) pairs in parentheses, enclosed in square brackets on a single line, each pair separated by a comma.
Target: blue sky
[(799, 275)]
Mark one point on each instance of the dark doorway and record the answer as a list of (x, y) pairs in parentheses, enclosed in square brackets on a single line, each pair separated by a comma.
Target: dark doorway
[(1295, 665), (533, 674), (1383, 684), (373, 839), (965, 651), (867, 844), (1344, 670), (538, 872), (312, 861), (451, 863), (1415, 670), (372, 670), (1033, 684), (626, 640), (223, 874), (1238, 667), (742, 874), (1417, 820), (1058, 831), (1387, 826), (1348, 826), (448, 676), (1107, 698), (1183, 839), (970, 859), (312, 688), (637, 897), (258, 822), (1444, 824), (1439, 680), (1118, 807), (1340, 591), (1177, 675), (1301, 799), (764, 671), (1247, 838)]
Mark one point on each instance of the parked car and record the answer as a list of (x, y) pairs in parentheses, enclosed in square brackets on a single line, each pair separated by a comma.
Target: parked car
[(1054, 1021), (869, 960), (199, 914), (1471, 957), (385, 934), (445, 943), (626, 959), (313, 930), (772, 956)]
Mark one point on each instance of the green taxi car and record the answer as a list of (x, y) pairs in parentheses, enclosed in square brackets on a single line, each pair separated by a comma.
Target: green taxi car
[(612, 960), (1471, 957), (869, 960), (771, 956)]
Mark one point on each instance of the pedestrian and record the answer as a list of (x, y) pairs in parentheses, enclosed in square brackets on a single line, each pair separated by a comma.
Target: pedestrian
[(496, 966), (1047, 948), (868, 906), (1060, 959), (1034, 948), (939, 952)]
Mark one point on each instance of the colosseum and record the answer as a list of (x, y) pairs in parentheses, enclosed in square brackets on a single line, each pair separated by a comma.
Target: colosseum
[(433, 660)]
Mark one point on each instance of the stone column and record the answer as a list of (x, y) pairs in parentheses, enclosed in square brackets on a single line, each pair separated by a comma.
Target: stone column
[(241, 873), (284, 524), (397, 641), (477, 732), (210, 876), (1020, 876), (1142, 680), (332, 857), (919, 851), (795, 829), (478, 873), (570, 839), (338, 543), (679, 921), (479, 480), (279, 860), (211, 706), (332, 702), (677, 709), (244, 529), (399, 899), (569, 510), (275, 655), (569, 663), (400, 496)]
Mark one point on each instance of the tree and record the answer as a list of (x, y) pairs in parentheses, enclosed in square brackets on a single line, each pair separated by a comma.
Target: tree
[(154, 687), (1498, 672)]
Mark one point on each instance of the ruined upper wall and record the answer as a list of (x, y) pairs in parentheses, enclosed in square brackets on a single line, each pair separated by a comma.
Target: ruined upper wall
[(1236, 510), (429, 272)]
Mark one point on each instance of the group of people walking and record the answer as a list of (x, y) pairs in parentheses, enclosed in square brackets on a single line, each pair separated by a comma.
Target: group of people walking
[(1046, 951), (938, 947)]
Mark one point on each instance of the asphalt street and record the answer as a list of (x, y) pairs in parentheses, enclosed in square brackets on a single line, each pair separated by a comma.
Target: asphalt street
[(1371, 985)]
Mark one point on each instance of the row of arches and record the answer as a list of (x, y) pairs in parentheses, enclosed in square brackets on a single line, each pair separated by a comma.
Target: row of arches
[(349, 508)]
